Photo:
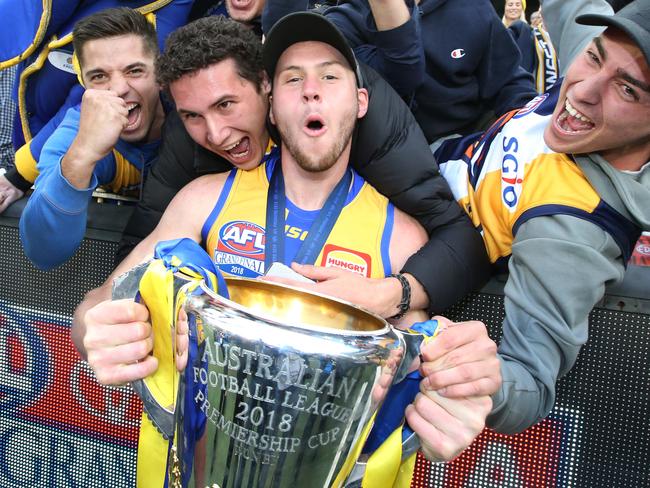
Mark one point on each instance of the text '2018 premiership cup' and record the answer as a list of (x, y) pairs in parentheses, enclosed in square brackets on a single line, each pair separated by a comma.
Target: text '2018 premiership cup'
[(280, 388)]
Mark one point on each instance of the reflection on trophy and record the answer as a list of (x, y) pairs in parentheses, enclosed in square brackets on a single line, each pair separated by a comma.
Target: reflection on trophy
[(280, 388)]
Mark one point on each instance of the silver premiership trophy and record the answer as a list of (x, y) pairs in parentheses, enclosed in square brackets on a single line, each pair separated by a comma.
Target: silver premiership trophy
[(280, 387)]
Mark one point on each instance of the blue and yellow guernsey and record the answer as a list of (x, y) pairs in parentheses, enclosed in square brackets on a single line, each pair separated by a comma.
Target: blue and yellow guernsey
[(508, 175), (234, 233)]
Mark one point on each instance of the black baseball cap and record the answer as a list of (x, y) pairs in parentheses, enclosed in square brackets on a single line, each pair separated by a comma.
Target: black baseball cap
[(301, 27), (633, 19)]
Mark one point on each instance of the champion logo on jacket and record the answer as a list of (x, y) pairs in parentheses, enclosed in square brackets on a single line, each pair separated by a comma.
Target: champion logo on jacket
[(458, 53)]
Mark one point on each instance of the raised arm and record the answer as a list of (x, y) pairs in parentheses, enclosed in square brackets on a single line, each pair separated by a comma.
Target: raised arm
[(384, 35), (71, 165)]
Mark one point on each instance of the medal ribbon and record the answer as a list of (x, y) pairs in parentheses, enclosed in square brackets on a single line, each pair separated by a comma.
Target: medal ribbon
[(318, 233)]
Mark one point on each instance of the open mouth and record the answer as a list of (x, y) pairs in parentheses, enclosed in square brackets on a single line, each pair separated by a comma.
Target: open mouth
[(314, 125), (241, 4), (239, 149), (571, 121), (134, 115)]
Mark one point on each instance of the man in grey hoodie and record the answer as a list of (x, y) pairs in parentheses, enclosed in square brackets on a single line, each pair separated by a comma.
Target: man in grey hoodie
[(561, 191)]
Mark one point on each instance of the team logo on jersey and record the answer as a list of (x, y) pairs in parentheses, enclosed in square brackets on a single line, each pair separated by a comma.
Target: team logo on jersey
[(531, 106), (347, 259), (457, 53)]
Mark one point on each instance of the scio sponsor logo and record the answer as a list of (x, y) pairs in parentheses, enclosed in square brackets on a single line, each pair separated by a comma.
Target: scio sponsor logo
[(512, 176), (457, 53), (243, 237)]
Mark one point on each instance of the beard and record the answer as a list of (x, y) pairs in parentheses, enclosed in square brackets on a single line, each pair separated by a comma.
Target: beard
[(316, 163)]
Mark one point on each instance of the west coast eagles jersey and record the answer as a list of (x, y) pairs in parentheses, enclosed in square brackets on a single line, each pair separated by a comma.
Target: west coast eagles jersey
[(508, 175), (234, 234)]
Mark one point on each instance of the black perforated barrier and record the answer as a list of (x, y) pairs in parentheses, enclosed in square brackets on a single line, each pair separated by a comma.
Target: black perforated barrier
[(598, 434), (59, 428)]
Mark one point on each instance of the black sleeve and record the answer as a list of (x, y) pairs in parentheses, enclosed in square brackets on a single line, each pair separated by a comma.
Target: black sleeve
[(180, 160), (391, 153), (16, 179)]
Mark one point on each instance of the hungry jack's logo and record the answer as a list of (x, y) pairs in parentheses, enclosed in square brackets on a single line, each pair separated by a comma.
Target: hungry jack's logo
[(347, 259)]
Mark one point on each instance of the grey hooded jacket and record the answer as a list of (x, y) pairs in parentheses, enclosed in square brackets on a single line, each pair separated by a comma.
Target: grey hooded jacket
[(560, 265)]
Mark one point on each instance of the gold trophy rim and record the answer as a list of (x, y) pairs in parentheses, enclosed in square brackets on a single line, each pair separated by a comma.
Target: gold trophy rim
[(362, 323)]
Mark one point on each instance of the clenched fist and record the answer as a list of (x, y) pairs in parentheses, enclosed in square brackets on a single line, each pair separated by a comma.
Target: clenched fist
[(104, 116)]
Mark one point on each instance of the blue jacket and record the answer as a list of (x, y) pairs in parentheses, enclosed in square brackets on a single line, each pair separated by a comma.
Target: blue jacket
[(453, 61), (56, 212)]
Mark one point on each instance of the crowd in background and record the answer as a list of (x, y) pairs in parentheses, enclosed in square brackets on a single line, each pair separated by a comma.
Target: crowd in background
[(254, 16)]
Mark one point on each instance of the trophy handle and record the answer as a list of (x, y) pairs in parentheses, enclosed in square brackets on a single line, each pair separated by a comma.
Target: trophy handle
[(405, 386), (161, 417), (126, 286), (412, 343)]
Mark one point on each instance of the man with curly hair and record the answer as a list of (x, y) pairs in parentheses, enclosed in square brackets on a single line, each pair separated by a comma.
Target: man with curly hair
[(225, 110)]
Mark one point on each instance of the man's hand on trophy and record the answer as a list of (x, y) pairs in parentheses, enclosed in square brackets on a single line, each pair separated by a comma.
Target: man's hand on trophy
[(118, 342), (446, 426), (365, 292), (461, 361)]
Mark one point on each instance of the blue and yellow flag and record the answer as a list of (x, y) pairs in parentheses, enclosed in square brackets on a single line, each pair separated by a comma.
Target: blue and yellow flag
[(186, 258)]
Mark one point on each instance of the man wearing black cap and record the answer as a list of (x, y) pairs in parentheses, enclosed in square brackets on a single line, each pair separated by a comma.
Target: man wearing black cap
[(561, 188), (315, 103)]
